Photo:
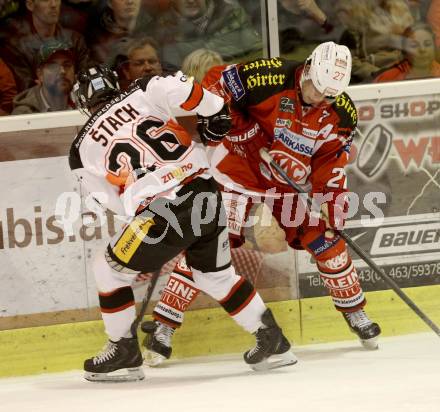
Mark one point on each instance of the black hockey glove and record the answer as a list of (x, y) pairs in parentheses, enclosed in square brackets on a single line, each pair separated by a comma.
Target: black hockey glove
[(214, 128)]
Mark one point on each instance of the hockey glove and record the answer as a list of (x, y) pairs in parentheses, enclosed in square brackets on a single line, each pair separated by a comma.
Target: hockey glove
[(334, 211), (212, 129)]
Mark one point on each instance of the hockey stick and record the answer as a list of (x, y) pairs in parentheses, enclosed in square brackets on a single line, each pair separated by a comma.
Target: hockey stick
[(362, 254), (145, 302)]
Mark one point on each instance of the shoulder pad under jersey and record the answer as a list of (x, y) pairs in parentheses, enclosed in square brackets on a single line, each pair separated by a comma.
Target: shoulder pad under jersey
[(142, 82), (256, 81), (346, 110)]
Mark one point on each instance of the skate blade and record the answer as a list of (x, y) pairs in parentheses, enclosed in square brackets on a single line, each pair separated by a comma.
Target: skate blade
[(275, 361), (131, 375), (370, 344), (148, 326), (153, 359)]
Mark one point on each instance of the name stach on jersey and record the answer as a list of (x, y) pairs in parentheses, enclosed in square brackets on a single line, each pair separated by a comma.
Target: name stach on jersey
[(111, 123), (125, 114)]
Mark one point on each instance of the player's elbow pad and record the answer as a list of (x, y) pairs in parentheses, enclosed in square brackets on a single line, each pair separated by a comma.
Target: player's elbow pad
[(215, 127)]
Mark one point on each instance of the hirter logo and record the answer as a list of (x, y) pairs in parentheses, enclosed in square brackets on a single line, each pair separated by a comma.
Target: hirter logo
[(294, 169)]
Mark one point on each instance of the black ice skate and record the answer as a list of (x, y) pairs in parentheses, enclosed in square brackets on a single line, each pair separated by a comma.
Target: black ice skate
[(272, 349), (116, 357), (157, 342), (366, 330)]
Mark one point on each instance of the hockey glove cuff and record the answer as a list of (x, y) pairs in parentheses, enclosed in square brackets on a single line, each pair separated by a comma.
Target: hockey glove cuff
[(334, 211), (213, 129)]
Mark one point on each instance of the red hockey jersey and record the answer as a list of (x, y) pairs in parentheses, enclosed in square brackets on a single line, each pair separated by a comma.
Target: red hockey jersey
[(312, 144)]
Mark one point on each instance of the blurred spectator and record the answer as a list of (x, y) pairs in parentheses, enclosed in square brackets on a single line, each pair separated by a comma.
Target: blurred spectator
[(373, 33), (8, 89), (8, 8), (75, 14), (433, 18), (10, 12), (215, 24), (119, 21), (419, 56), (253, 10), (198, 62), (419, 9), (39, 25), (303, 24), (56, 76), (141, 59)]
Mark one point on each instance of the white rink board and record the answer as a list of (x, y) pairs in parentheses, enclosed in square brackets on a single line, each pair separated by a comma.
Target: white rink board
[(41, 276), (45, 277), (402, 376)]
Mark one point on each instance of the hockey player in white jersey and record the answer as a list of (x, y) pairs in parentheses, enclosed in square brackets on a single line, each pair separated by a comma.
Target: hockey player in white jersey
[(145, 166)]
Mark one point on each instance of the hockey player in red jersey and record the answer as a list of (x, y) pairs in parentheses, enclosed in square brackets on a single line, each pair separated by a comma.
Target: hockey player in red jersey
[(134, 153), (301, 114)]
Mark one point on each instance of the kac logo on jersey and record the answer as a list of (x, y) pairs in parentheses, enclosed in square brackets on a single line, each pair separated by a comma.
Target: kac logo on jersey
[(295, 169), (233, 82), (295, 142)]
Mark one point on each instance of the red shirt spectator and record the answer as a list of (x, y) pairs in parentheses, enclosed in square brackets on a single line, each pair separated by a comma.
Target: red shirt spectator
[(433, 18), (419, 57), (8, 89)]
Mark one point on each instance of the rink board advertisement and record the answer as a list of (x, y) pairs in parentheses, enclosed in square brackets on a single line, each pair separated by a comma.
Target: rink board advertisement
[(48, 270), (407, 248), (397, 152)]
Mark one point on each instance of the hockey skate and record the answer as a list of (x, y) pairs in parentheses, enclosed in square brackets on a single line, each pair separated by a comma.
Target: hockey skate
[(272, 349), (366, 330), (116, 357), (157, 342)]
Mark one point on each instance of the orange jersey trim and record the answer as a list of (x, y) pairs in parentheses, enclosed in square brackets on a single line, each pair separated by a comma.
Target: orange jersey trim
[(194, 98)]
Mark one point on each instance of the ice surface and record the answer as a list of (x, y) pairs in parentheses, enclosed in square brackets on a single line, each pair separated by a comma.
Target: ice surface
[(402, 376)]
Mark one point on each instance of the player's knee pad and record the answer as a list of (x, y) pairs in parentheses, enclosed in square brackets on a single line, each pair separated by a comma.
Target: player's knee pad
[(177, 295), (107, 277), (236, 294), (216, 284), (233, 292)]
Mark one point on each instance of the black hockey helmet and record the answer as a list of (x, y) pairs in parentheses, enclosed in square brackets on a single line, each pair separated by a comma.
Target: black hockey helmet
[(94, 86)]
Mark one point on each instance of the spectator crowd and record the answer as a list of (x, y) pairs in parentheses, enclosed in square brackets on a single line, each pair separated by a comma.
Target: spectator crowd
[(44, 43)]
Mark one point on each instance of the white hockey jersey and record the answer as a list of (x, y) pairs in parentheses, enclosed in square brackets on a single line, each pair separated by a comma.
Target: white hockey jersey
[(134, 150)]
